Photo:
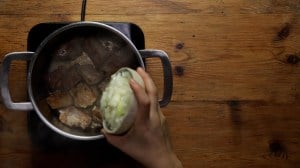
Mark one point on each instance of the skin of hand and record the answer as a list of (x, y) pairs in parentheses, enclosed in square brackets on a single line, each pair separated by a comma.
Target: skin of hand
[(147, 141)]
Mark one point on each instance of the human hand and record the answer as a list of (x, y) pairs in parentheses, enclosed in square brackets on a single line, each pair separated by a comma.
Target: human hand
[(147, 141)]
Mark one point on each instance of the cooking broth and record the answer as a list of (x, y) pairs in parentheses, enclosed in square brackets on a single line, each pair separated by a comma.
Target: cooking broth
[(78, 73)]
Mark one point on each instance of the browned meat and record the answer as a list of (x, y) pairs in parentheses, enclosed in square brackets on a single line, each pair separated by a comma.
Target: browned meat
[(55, 79), (63, 79), (59, 100), (109, 54), (103, 84), (95, 90), (70, 50), (119, 59), (83, 95), (90, 75), (83, 59), (59, 65), (71, 78), (82, 68), (96, 117), (124, 59), (100, 48), (74, 117), (96, 51)]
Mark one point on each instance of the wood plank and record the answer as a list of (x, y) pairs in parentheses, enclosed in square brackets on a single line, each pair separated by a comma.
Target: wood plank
[(129, 7), (213, 134), (236, 79), (228, 59)]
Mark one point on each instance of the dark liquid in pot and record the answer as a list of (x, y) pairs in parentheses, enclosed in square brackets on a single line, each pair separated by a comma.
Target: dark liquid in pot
[(79, 70)]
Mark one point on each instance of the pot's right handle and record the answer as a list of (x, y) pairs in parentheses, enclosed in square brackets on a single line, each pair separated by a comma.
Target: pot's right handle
[(167, 70), (26, 56)]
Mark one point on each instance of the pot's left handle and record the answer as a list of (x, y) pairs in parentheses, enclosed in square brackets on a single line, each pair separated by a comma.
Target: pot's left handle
[(26, 56)]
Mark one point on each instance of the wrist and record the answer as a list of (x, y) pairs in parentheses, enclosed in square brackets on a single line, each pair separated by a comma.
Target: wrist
[(175, 162), (168, 160)]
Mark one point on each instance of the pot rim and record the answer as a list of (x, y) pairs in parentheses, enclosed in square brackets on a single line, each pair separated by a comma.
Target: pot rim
[(41, 47)]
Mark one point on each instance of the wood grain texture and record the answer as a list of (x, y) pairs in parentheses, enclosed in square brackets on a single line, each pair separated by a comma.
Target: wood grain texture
[(235, 69), (235, 133)]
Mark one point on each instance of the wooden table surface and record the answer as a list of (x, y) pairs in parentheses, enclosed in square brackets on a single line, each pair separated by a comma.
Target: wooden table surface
[(235, 69)]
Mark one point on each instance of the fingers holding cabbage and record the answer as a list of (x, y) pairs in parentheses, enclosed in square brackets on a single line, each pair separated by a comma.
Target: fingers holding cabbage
[(149, 132), (118, 103)]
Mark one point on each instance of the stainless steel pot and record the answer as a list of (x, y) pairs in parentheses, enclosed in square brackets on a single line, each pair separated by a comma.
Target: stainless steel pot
[(40, 60)]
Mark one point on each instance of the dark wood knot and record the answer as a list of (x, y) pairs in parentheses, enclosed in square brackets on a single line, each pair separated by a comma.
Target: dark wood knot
[(283, 33), (179, 70), (235, 109), (179, 45), (292, 58), (278, 149)]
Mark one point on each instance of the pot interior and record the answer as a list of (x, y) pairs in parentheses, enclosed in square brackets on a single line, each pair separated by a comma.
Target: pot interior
[(69, 71)]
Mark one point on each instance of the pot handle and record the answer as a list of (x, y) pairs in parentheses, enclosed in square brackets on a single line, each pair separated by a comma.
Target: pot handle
[(26, 56), (167, 70)]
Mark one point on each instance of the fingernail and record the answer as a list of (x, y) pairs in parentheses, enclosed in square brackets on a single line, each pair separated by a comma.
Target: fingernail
[(139, 69)]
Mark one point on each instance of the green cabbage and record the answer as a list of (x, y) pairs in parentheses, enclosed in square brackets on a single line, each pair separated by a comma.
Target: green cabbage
[(118, 100)]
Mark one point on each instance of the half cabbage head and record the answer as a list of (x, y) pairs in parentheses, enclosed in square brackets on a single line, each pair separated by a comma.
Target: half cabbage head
[(118, 103)]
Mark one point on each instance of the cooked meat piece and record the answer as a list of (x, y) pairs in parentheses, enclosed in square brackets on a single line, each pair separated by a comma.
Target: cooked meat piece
[(103, 84), (58, 65), (96, 124), (71, 78), (96, 51), (74, 117), (90, 75), (59, 100), (95, 90), (119, 59), (96, 117), (97, 113), (55, 79), (63, 79), (70, 50), (83, 96), (83, 59), (109, 53), (123, 58), (111, 43)]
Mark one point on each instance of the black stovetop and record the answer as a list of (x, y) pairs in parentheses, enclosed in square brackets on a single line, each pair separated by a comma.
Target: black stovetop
[(42, 137)]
